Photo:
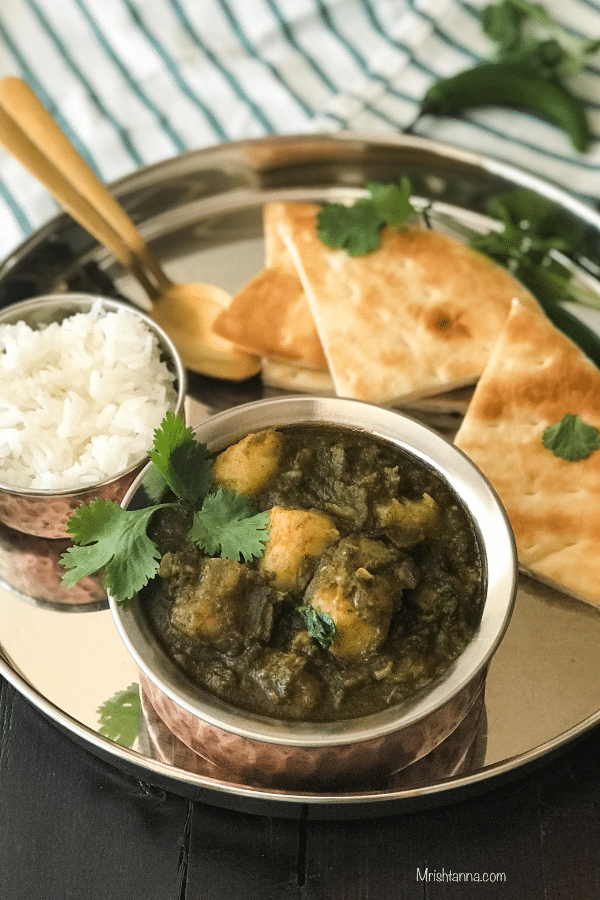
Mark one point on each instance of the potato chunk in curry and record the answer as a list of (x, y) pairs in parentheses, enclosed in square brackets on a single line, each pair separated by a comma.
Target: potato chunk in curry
[(406, 522), (217, 602), (286, 680), (359, 583), (297, 537), (209, 609), (246, 466)]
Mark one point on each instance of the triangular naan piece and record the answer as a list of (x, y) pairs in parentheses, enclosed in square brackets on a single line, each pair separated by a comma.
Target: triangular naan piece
[(270, 315), (536, 376), (416, 316)]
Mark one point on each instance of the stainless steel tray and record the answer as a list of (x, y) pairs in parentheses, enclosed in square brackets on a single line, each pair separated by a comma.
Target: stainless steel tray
[(201, 212)]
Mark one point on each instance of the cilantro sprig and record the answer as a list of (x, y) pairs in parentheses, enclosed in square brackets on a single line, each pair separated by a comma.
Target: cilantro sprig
[(116, 540), (228, 525), (319, 625), (534, 237), (571, 438), (537, 241), (356, 228), (526, 32), (113, 539), (183, 462)]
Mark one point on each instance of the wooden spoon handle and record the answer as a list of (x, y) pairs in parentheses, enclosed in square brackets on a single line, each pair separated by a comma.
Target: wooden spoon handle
[(47, 152)]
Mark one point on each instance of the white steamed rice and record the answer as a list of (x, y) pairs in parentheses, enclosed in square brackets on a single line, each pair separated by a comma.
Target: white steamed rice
[(79, 400)]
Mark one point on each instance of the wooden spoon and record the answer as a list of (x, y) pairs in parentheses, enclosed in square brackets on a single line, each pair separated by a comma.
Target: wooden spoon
[(185, 311)]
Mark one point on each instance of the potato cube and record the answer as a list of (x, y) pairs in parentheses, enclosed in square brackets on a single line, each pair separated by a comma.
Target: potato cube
[(359, 583), (407, 522), (353, 634), (246, 466), (297, 537), (210, 609)]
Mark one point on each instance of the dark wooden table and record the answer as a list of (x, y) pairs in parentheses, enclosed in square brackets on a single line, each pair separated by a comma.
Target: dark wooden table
[(73, 826)]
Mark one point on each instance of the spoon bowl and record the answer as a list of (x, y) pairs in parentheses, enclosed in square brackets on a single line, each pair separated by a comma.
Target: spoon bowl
[(187, 312)]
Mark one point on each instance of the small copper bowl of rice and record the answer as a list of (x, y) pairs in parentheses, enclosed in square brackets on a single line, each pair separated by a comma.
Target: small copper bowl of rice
[(84, 382)]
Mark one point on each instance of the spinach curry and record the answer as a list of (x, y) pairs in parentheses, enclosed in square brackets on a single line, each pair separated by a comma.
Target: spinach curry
[(364, 540)]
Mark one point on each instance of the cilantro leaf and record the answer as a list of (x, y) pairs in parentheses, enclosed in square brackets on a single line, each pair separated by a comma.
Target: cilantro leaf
[(110, 537), (571, 438), (229, 525), (502, 23), (183, 462), (356, 228), (154, 484), (392, 201), (319, 625), (120, 715)]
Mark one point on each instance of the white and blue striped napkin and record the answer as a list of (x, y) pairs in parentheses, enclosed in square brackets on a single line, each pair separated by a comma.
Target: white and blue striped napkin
[(133, 82)]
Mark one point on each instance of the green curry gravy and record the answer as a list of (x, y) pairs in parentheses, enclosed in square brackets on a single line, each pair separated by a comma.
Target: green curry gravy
[(360, 531)]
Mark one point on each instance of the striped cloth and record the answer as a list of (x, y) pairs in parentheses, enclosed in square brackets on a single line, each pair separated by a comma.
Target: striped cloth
[(133, 82)]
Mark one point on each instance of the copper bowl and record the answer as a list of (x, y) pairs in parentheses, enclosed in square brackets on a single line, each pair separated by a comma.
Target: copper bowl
[(339, 753), (45, 513)]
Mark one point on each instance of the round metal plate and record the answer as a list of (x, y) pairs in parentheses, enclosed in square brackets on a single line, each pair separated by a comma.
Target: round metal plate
[(201, 213)]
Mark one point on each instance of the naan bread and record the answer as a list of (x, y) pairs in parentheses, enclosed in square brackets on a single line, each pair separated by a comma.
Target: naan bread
[(270, 316), (535, 376), (289, 376), (417, 316)]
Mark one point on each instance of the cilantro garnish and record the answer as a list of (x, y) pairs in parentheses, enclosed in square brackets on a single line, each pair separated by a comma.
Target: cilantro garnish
[(571, 438), (114, 539), (535, 241), (526, 32), (356, 228), (392, 201), (120, 716), (108, 537), (533, 231), (229, 526), (183, 462), (319, 625)]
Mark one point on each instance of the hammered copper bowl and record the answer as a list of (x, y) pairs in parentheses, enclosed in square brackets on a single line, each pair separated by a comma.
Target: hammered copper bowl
[(45, 513), (308, 755)]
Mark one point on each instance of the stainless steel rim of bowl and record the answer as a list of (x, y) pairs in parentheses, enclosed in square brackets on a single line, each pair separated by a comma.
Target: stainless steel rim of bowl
[(498, 550), (60, 306)]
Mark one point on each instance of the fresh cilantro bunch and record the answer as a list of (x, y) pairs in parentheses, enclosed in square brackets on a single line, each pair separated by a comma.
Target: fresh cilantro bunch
[(525, 32), (356, 228), (114, 539), (534, 243), (534, 231)]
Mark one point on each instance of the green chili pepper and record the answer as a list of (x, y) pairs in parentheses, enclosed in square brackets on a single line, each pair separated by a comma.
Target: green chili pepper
[(516, 85)]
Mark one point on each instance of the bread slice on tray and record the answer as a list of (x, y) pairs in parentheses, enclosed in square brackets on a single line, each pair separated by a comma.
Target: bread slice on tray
[(286, 375), (271, 314), (536, 376), (416, 316)]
